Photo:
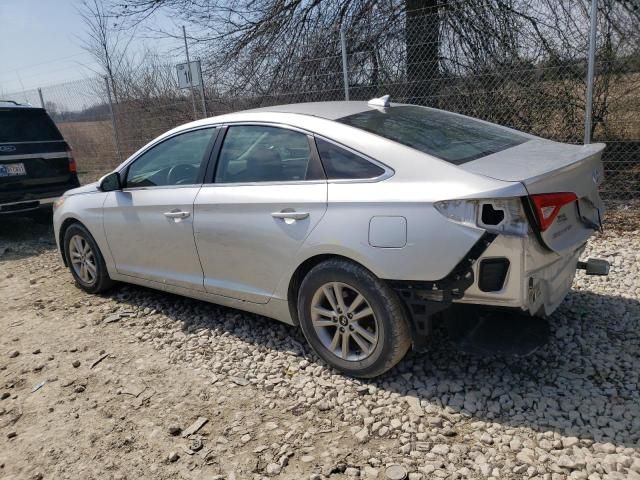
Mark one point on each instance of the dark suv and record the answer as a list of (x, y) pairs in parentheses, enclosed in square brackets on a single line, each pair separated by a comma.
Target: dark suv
[(36, 165)]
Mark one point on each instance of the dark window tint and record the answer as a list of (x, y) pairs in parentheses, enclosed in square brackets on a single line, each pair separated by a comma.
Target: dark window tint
[(451, 137), (175, 161), (27, 125), (339, 163), (252, 153)]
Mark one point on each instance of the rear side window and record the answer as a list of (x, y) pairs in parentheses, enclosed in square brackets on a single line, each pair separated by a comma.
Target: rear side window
[(445, 135), (341, 164), (27, 125), (255, 153)]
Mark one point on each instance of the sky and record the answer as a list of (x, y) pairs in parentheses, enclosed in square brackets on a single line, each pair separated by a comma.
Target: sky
[(40, 44)]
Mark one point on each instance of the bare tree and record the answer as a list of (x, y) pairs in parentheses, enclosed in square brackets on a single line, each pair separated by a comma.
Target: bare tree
[(105, 41), (518, 62), (268, 46)]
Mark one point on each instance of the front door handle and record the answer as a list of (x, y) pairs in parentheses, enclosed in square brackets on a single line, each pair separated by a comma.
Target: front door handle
[(177, 214), (290, 215)]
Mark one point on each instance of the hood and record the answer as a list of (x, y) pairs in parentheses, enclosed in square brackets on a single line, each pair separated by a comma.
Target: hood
[(88, 188)]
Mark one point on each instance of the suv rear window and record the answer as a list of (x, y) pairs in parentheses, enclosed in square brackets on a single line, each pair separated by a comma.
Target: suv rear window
[(445, 135), (26, 125)]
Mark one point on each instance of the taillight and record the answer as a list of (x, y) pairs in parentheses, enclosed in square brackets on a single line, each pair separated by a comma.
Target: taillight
[(495, 215), (73, 168), (548, 206)]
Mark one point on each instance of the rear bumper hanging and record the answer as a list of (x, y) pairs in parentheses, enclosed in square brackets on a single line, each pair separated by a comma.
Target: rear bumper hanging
[(424, 299)]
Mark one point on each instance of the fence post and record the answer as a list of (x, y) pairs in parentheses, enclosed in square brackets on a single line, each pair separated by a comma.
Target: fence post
[(193, 92), (588, 111), (41, 99), (345, 72), (116, 139)]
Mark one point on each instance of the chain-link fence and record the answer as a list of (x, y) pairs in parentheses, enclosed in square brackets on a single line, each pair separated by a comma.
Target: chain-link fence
[(527, 70)]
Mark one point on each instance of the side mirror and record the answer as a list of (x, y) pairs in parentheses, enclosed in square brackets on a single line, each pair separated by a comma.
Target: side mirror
[(110, 182)]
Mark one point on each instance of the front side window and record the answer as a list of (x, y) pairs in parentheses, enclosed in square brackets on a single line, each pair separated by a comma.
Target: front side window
[(176, 161), (454, 138), (340, 164), (256, 153)]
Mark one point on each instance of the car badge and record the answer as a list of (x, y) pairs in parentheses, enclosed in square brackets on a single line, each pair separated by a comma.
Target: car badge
[(597, 176)]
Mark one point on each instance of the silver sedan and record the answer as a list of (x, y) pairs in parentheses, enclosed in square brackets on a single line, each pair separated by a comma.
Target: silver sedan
[(357, 221)]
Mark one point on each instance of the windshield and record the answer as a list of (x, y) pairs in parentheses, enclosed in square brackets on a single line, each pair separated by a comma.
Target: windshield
[(445, 135), (26, 125)]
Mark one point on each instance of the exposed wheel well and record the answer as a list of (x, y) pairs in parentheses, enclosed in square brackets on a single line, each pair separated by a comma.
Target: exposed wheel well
[(63, 229), (300, 273)]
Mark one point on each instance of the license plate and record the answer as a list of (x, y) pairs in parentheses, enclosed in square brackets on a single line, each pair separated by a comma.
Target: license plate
[(12, 170)]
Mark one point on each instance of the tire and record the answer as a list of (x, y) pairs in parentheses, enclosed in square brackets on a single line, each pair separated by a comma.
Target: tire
[(95, 282), (375, 342)]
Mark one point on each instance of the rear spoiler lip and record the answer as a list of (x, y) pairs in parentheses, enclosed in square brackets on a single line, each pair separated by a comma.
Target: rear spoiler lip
[(492, 166), (590, 150)]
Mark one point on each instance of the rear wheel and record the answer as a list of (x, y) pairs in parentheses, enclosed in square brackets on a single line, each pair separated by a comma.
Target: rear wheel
[(352, 319), (85, 260)]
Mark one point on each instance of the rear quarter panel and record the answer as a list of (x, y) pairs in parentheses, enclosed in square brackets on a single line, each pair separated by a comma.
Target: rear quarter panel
[(434, 245)]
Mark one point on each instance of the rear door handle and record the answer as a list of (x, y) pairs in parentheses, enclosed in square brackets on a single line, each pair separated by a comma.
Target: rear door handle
[(290, 215), (177, 214)]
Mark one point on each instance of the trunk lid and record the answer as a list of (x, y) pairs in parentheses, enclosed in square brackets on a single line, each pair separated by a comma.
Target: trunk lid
[(546, 167)]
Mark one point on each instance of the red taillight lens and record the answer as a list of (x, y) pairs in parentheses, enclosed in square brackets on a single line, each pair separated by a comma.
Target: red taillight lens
[(548, 206), (73, 168)]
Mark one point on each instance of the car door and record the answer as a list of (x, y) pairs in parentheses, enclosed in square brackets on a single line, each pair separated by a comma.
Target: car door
[(149, 223), (267, 195)]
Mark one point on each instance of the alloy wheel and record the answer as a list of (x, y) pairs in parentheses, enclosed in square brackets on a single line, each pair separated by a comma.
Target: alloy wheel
[(83, 259), (344, 321)]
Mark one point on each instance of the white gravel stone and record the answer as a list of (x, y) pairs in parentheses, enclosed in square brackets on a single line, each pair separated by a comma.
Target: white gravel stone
[(571, 409), (273, 469), (362, 435)]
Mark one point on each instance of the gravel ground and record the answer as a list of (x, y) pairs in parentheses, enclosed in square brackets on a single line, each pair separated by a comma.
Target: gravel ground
[(571, 410)]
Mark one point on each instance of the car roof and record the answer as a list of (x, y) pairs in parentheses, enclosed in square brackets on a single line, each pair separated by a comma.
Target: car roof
[(14, 104), (327, 110)]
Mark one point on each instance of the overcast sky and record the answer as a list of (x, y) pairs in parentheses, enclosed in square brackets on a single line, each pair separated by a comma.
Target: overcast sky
[(40, 44)]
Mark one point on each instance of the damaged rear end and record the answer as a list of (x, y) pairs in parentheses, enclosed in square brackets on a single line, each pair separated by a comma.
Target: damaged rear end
[(538, 238)]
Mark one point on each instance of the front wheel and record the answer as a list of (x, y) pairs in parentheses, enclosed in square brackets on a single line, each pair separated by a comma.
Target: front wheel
[(352, 319), (85, 260)]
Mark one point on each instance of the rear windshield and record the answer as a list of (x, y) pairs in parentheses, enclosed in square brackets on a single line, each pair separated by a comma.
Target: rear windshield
[(451, 137), (26, 125)]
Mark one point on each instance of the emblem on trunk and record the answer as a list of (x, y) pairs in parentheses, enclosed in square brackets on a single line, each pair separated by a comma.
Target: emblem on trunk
[(597, 176), (7, 148)]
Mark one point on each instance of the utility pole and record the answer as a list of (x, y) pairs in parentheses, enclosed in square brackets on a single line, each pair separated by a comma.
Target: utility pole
[(193, 93), (345, 66), (588, 111), (204, 102)]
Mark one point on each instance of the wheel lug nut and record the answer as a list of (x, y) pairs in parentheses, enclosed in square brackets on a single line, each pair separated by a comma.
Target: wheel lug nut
[(350, 315), (350, 327), (342, 329)]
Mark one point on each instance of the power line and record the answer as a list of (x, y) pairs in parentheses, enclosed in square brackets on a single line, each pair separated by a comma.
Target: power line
[(53, 60)]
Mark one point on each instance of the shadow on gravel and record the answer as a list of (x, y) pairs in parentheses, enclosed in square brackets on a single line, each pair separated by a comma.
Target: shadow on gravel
[(25, 236), (583, 383)]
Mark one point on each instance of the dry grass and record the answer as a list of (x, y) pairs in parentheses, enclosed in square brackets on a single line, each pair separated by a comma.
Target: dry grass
[(93, 145)]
